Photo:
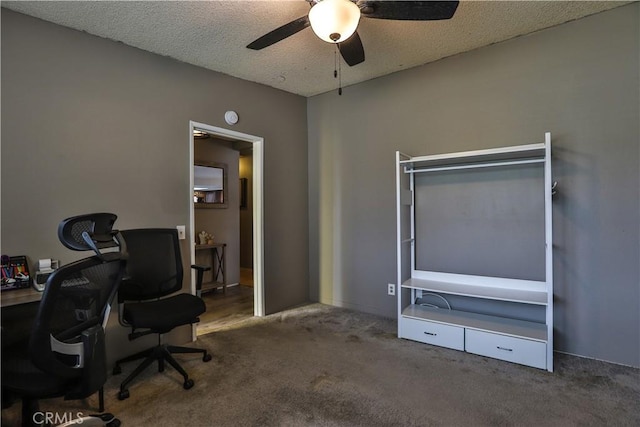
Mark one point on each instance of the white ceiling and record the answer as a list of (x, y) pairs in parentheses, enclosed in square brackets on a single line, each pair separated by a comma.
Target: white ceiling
[(213, 35)]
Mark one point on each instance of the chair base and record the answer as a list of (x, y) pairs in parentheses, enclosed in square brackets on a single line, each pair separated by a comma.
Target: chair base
[(159, 353), (32, 417), (29, 408), (96, 420)]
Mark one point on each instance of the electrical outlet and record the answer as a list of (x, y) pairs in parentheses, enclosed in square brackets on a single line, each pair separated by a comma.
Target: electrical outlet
[(391, 289), (181, 232)]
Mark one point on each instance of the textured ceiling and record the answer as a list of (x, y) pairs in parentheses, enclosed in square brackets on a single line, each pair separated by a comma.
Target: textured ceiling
[(213, 35)]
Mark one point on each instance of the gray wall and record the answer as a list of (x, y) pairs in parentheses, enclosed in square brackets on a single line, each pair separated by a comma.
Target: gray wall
[(579, 81), (501, 208), (89, 125)]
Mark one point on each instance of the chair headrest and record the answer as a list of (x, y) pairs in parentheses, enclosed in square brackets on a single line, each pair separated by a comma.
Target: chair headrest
[(88, 232)]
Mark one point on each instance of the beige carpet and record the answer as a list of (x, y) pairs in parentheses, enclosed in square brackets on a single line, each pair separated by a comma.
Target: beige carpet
[(324, 366)]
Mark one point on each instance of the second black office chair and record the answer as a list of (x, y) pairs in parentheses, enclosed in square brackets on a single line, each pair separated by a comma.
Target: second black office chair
[(154, 272)]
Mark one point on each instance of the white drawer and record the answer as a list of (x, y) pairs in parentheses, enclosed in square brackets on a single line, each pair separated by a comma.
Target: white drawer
[(516, 350), (433, 333)]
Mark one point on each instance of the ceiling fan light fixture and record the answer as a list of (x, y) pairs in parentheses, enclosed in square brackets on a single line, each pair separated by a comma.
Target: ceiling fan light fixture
[(334, 21)]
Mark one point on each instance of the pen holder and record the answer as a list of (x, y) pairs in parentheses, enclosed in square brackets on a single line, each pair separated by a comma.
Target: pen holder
[(15, 273)]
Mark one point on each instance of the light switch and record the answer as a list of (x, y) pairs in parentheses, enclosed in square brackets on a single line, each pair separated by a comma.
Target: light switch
[(181, 232)]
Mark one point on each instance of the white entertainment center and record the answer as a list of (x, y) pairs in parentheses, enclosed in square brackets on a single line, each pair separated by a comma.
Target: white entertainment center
[(502, 335)]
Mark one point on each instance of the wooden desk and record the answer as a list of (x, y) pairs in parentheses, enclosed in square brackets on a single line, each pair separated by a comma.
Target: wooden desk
[(19, 309), (19, 296), (218, 266)]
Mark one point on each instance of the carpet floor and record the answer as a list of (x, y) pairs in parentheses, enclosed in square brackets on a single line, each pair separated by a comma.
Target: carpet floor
[(318, 365)]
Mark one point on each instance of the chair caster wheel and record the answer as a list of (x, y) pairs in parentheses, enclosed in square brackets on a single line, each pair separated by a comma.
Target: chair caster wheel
[(108, 419), (206, 357), (124, 394), (188, 384), (117, 370)]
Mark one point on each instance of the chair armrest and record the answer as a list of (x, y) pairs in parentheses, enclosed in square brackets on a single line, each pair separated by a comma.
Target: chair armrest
[(94, 361), (200, 269)]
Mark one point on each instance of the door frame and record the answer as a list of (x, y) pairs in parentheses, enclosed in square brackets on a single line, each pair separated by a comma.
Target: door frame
[(258, 206)]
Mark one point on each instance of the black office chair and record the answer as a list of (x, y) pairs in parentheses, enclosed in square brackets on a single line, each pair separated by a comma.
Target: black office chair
[(65, 353), (154, 271)]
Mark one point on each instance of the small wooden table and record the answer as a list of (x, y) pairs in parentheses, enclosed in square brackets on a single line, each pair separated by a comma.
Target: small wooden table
[(218, 266)]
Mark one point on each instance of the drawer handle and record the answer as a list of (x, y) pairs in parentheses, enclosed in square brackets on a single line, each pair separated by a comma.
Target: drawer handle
[(504, 348), (430, 333)]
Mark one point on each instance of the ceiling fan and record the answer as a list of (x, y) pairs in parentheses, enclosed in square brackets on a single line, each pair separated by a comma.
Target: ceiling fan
[(336, 21)]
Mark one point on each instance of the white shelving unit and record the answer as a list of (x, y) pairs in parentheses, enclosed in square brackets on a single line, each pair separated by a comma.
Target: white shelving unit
[(519, 341)]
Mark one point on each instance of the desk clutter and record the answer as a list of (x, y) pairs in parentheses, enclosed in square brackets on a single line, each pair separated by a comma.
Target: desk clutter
[(46, 267), (15, 272), (16, 275)]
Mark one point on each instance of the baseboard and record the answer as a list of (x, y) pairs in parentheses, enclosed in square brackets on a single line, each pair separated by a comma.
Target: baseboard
[(595, 358), (358, 307)]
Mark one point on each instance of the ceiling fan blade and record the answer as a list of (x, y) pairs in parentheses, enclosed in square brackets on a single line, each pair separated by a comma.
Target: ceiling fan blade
[(352, 50), (280, 33), (408, 10)]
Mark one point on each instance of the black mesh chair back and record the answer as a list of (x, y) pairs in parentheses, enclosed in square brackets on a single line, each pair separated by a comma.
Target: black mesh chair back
[(73, 310), (155, 264), (87, 232), (66, 349)]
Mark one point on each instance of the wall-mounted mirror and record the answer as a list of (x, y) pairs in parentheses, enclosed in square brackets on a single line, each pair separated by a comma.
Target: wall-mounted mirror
[(210, 185)]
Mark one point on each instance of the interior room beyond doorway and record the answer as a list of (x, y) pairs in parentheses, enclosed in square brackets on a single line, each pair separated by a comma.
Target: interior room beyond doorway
[(223, 231)]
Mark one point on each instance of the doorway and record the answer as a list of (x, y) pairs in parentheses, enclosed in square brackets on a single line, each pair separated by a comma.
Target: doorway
[(251, 148)]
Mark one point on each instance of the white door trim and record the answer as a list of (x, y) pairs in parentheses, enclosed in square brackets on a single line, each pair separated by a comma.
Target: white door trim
[(258, 207)]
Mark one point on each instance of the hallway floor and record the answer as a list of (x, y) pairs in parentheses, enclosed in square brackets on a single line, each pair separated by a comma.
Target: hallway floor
[(225, 309)]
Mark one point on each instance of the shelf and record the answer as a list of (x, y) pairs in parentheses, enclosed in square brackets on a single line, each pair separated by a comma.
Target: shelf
[(497, 288), (478, 158), (506, 338), (480, 322)]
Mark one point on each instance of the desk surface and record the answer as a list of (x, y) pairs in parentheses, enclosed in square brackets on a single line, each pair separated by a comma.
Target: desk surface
[(19, 296)]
